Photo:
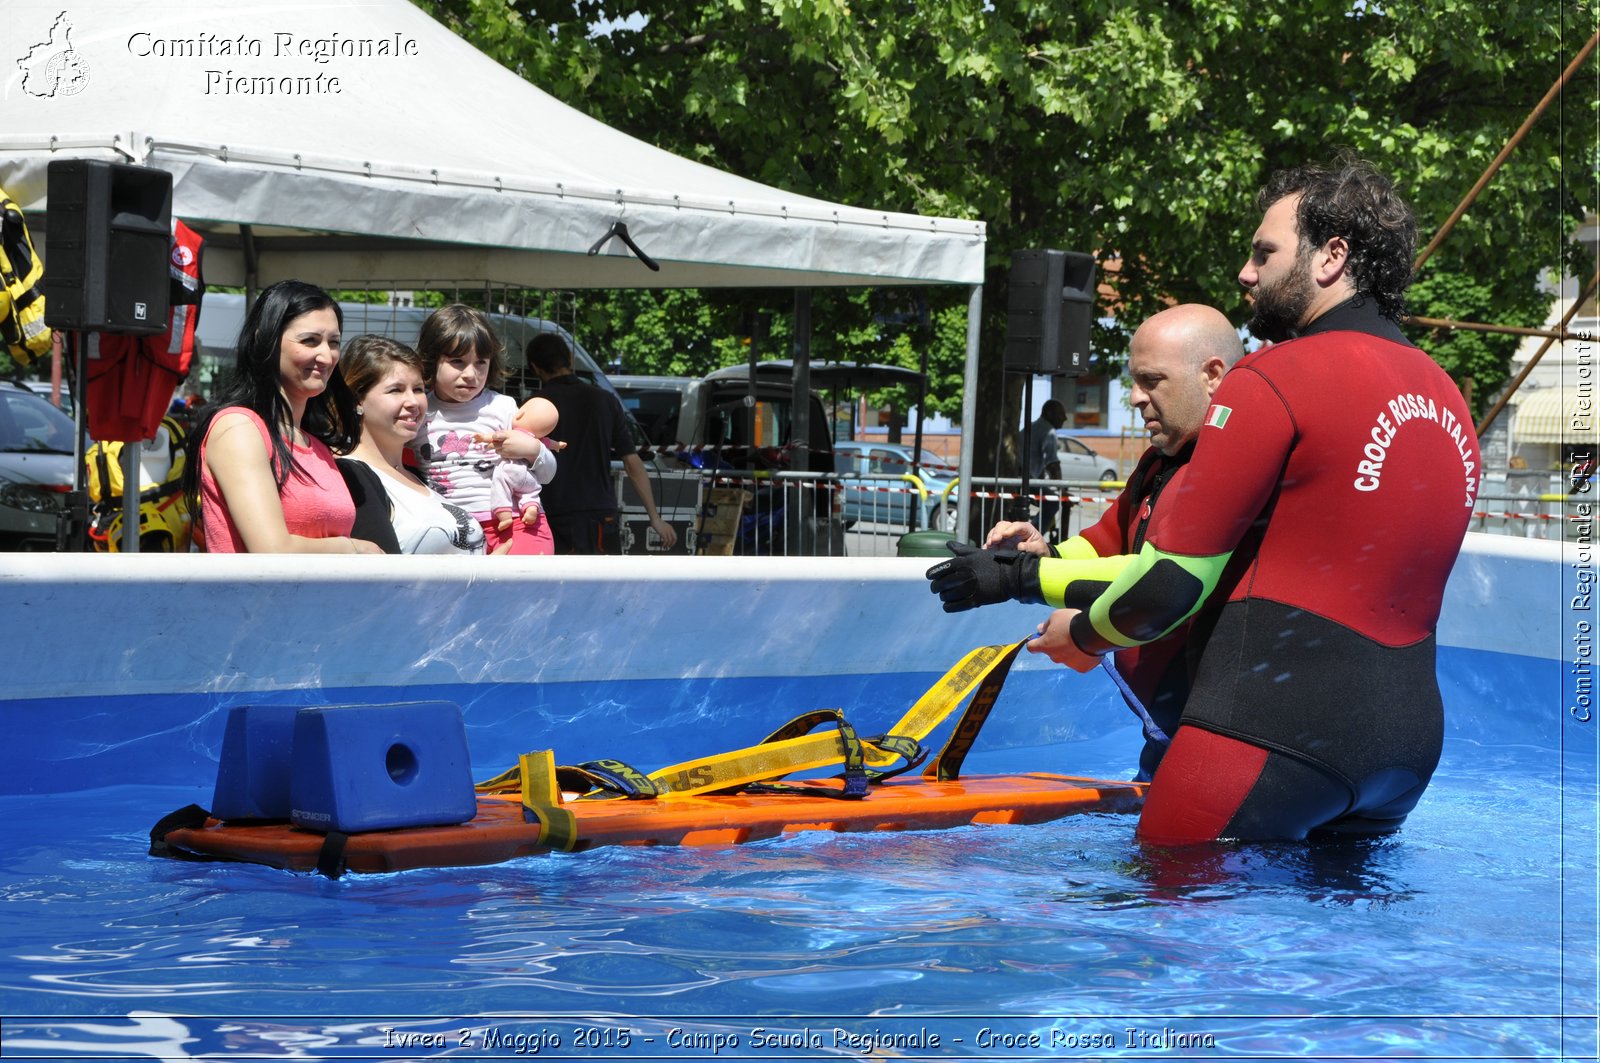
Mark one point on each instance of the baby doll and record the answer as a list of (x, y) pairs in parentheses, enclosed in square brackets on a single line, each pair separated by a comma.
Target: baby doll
[(515, 491)]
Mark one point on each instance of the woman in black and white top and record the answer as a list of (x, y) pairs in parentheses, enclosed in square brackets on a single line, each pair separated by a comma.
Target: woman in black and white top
[(394, 508)]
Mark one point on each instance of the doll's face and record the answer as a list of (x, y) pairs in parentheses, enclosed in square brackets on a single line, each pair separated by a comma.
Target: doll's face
[(538, 416)]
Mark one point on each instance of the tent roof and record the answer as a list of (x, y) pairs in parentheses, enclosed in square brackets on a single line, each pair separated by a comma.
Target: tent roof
[(364, 145)]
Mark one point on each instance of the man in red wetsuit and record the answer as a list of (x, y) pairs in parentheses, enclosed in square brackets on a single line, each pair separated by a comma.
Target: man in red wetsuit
[(1176, 360), (1326, 502)]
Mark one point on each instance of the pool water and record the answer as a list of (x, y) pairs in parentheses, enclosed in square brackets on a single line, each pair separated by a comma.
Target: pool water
[(1468, 935)]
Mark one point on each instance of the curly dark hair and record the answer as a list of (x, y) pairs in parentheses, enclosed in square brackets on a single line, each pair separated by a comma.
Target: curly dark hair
[(1350, 198)]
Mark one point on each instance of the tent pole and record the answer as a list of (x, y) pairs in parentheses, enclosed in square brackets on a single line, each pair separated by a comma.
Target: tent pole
[(922, 400), (800, 411), (130, 495), (252, 264), (72, 529), (969, 411)]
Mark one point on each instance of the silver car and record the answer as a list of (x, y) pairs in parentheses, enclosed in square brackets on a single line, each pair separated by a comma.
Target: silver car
[(1080, 463), (875, 493), (37, 470)]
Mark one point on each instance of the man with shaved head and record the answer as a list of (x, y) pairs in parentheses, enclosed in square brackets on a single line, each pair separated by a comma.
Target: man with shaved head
[(1177, 359)]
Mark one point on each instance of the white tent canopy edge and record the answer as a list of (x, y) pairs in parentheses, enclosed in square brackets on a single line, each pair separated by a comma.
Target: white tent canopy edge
[(433, 161)]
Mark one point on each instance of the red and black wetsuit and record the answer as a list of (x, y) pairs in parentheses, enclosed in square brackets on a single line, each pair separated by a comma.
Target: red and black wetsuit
[(1326, 502), (1158, 674)]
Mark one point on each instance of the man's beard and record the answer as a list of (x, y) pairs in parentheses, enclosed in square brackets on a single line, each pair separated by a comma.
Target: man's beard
[(1279, 308)]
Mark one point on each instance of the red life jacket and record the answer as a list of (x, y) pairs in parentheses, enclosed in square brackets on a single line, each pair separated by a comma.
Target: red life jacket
[(131, 378)]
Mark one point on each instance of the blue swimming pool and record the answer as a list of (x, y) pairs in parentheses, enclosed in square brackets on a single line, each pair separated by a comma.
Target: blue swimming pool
[(1471, 934)]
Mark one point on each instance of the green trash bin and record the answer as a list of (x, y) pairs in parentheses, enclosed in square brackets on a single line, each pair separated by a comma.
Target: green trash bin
[(928, 543)]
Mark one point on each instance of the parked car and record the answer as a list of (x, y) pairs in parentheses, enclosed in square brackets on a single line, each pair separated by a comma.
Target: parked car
[(692, 415), (37, 469), (874, 491), (1080, 462)]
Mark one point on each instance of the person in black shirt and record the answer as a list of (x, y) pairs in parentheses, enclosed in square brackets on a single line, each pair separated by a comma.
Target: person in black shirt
[(581, 502)]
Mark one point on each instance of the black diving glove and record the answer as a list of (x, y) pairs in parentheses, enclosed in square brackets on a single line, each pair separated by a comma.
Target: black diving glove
[(984, 577)]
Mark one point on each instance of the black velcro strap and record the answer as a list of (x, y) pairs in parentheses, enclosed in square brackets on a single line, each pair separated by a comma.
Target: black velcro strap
[(855, 763), (614, 777), (330, 861), (189, 817), (911, 752), (803, 724)]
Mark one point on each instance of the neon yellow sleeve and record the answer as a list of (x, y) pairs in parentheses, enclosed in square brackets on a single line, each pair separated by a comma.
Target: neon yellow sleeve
[(1076, 548), (1153, 594), (1079, 580)]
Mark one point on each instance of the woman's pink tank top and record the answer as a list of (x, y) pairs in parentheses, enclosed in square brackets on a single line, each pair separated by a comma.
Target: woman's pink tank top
[(316, 502)]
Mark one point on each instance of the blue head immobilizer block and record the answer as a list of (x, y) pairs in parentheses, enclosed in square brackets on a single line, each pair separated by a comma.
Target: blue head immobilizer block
[(253, 776), (378, 767)]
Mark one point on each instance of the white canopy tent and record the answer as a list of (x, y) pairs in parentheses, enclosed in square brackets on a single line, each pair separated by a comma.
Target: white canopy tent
[(361, 143)]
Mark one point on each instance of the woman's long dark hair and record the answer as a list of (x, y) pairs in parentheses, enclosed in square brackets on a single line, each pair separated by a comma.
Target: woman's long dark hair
[(255, 383)]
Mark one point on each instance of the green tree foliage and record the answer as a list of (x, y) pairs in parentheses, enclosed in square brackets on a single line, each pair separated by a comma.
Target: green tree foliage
[(1136, 129), (1470, 356)]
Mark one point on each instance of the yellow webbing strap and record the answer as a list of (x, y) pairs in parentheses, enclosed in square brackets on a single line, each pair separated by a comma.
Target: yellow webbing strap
[(946, 767), (504, 783), (541, 801), (790, 749), (769, 760), (607, 778), (941, 699)]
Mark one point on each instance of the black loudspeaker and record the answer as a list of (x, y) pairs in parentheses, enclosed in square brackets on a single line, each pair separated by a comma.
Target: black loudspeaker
[(1051, 309), (108, 247)]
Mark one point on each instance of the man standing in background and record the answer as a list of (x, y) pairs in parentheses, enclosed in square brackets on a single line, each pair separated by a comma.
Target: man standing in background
[(581, 502), (1044, 460)]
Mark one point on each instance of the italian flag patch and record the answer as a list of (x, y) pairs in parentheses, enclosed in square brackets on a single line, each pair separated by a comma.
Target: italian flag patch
[(1218, 416)]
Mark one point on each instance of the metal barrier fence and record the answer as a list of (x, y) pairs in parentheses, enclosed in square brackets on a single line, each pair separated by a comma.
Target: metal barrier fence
[(832, 515), (775, 514), (1543, 516)]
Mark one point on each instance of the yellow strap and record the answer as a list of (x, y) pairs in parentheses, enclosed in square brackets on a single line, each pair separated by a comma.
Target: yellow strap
[(774, 759), (941, 699), (769, 760), (541, 801), (506, 782), (946, 767)]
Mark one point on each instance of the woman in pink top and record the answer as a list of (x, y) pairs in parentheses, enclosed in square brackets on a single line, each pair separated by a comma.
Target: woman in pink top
[(260, 462)]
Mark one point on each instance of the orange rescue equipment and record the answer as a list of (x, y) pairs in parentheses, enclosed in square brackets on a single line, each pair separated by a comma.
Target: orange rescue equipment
[(724, 799), (500, 832)]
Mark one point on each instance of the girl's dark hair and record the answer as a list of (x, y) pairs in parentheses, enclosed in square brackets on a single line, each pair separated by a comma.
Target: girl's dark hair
[(254, 383), (1350, 198), (457, 330)]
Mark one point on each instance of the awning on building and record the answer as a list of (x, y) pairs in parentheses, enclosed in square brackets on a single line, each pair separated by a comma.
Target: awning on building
[(1556, 415)]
